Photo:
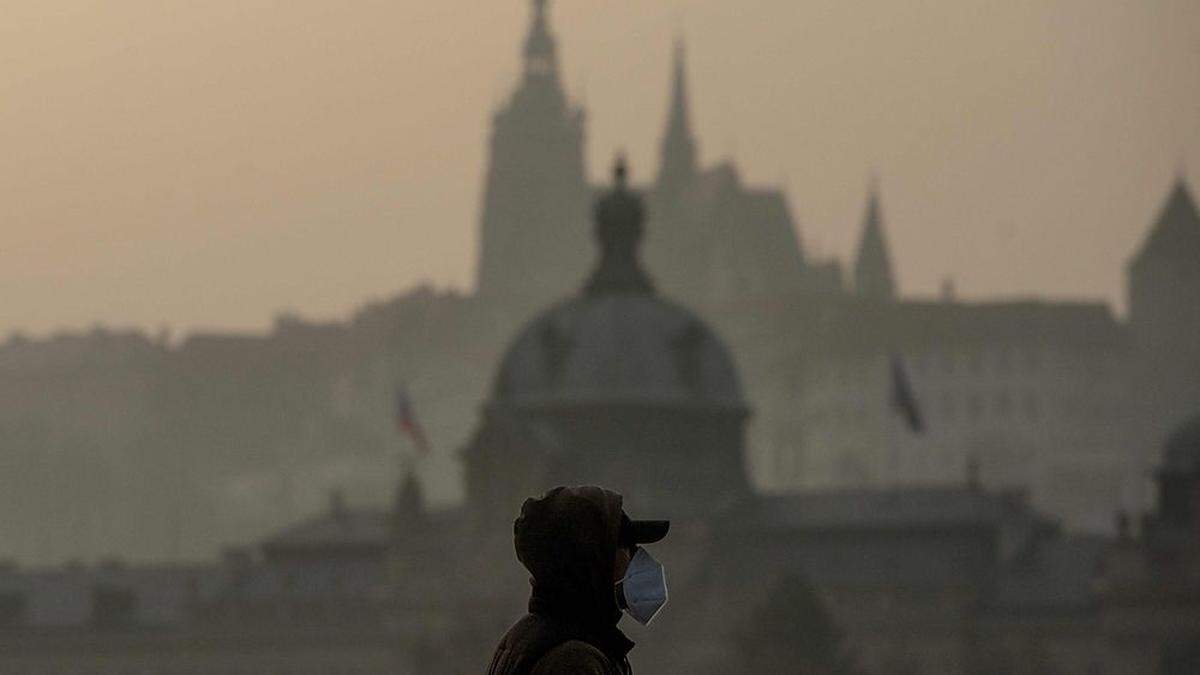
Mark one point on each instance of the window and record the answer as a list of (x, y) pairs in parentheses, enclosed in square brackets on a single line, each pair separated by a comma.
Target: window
[(1004, 404), (780, 461), (1031, 406), (976, 362), (113, 607), (975, 406), (949, 406), (1033, 360), (1003, 360)]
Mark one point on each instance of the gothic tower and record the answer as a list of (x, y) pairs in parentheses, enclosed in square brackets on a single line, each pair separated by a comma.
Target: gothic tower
[(873, 277), (716, 242), (679, 246), (678, 168), (536, 196)]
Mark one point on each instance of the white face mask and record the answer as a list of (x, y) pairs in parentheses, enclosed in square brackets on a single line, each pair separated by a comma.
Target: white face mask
[(643, 588)]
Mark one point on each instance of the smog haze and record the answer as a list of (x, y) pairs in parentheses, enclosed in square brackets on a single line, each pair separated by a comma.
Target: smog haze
[(207, 165)]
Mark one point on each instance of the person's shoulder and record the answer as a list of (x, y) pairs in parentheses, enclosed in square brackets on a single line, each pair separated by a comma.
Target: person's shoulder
[(575, 657)]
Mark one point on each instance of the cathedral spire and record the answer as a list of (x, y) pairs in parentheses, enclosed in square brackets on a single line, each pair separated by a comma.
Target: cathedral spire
[(873, 277), (541, 51), (678, 145)]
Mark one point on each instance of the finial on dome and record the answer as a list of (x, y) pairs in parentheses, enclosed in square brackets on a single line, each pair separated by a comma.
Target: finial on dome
[(620, 171)]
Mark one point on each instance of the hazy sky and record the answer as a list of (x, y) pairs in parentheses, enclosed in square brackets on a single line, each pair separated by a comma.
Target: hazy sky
[(208, 164)]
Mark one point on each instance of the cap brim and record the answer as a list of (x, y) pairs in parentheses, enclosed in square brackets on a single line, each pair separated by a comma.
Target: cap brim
[(648, 531)]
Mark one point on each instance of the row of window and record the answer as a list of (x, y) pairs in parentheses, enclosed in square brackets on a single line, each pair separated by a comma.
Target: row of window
[(977, 362), (110, 608)]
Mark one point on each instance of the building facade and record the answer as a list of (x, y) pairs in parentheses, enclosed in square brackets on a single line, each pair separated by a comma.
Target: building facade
[(602, 387), (232, 436)]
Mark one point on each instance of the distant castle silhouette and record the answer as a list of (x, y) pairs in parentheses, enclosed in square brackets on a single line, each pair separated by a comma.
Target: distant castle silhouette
[(756, 414), (230, 435), (733, 252), (714, 241)]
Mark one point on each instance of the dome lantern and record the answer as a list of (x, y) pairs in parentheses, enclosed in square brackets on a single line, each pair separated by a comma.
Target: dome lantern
[(620, 223), (618, 342)]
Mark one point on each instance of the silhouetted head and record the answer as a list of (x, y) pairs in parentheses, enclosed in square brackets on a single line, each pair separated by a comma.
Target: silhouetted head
[(576, 543)]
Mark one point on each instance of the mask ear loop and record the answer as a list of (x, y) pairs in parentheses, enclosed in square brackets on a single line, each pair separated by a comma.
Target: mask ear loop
[(619, 586), (619, 590)]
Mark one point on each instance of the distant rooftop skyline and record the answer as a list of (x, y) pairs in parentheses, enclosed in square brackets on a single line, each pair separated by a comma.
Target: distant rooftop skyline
[(210, 166)]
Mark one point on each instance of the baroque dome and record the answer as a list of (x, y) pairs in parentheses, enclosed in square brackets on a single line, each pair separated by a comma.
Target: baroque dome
[(618, 343), (618, 349)]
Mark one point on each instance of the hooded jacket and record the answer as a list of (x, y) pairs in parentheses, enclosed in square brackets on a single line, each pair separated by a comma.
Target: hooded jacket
[(567, 539)]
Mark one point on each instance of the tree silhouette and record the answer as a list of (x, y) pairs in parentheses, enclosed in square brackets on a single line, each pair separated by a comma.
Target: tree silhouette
[(794, 632)]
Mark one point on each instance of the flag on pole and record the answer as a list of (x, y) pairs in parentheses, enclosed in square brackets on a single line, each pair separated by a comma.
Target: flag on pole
[(407, 423), (904, 402)]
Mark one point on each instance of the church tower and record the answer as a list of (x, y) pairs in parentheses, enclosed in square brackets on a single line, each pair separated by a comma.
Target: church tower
[(1164, 316), (679, 248), (535, 201), (716, 242), (873, 277)]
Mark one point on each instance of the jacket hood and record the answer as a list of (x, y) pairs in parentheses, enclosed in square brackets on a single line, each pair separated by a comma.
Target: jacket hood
[(567, 539)]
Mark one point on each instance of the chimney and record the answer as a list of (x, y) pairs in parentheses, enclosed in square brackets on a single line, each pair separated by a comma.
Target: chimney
[(337, 503), (948, 293)]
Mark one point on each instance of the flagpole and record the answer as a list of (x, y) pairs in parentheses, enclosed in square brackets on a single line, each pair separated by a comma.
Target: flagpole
[(408, 466), (407, 424), (902, 402), (890, 432)]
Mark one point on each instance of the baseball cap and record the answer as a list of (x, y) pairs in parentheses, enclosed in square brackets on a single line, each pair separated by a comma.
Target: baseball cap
[(641, 531)]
